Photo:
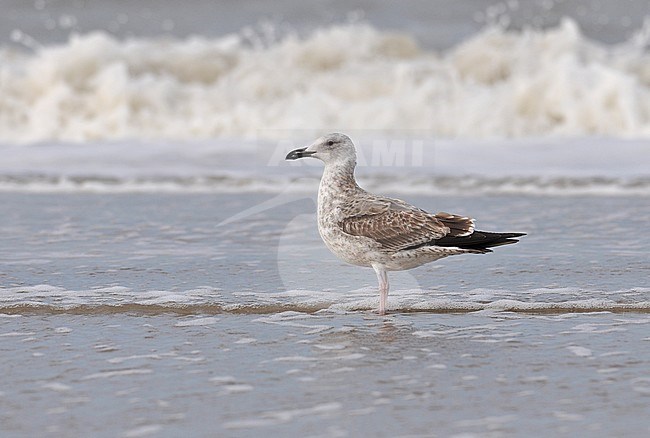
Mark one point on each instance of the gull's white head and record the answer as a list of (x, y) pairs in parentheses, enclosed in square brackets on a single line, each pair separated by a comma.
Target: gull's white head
[(331, 149)]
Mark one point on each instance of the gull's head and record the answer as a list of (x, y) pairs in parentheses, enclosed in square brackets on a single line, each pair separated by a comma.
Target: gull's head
[(330, 148)]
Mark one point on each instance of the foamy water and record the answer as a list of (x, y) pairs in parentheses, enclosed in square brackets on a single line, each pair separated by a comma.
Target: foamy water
[(538, 112), (497, 84), (53, 300)]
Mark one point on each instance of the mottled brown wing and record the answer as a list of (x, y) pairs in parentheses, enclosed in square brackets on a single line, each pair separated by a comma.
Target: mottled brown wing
[(396, 228)]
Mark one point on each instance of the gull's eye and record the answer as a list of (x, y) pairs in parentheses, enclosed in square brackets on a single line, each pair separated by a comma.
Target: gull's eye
[(330, 143)]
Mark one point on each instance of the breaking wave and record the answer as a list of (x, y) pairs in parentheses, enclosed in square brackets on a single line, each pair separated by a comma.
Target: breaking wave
[(500, 83)]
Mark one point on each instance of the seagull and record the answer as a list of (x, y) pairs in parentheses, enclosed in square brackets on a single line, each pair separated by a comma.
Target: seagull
[(384, 233)]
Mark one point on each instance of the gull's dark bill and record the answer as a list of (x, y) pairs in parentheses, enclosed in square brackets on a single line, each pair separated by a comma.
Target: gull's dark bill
[(299, 153)]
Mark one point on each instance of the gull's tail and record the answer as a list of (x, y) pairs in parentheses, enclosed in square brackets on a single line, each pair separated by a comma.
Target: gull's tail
[(479, 241)]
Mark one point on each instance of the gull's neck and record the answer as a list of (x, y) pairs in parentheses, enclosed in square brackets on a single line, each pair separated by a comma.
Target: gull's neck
[(336, 186), (339, 176)]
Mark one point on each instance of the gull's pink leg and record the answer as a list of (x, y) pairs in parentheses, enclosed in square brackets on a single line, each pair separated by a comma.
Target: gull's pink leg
[(382, 276)]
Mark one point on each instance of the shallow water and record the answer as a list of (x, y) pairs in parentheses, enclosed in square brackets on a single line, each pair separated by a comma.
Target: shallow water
[(80, 251), (296, 374), (146, 314)]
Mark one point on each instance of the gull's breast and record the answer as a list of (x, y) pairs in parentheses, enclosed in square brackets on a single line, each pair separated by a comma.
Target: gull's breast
[(355, 250)]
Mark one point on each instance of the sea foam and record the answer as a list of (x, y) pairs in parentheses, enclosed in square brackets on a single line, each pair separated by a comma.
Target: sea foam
[(499, 83), (288, 307)]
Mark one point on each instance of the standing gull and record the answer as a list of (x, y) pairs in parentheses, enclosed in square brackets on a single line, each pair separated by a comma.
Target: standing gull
[(384, 233)]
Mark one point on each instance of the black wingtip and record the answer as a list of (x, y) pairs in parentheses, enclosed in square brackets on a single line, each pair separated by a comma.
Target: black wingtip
[(480, 240)]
